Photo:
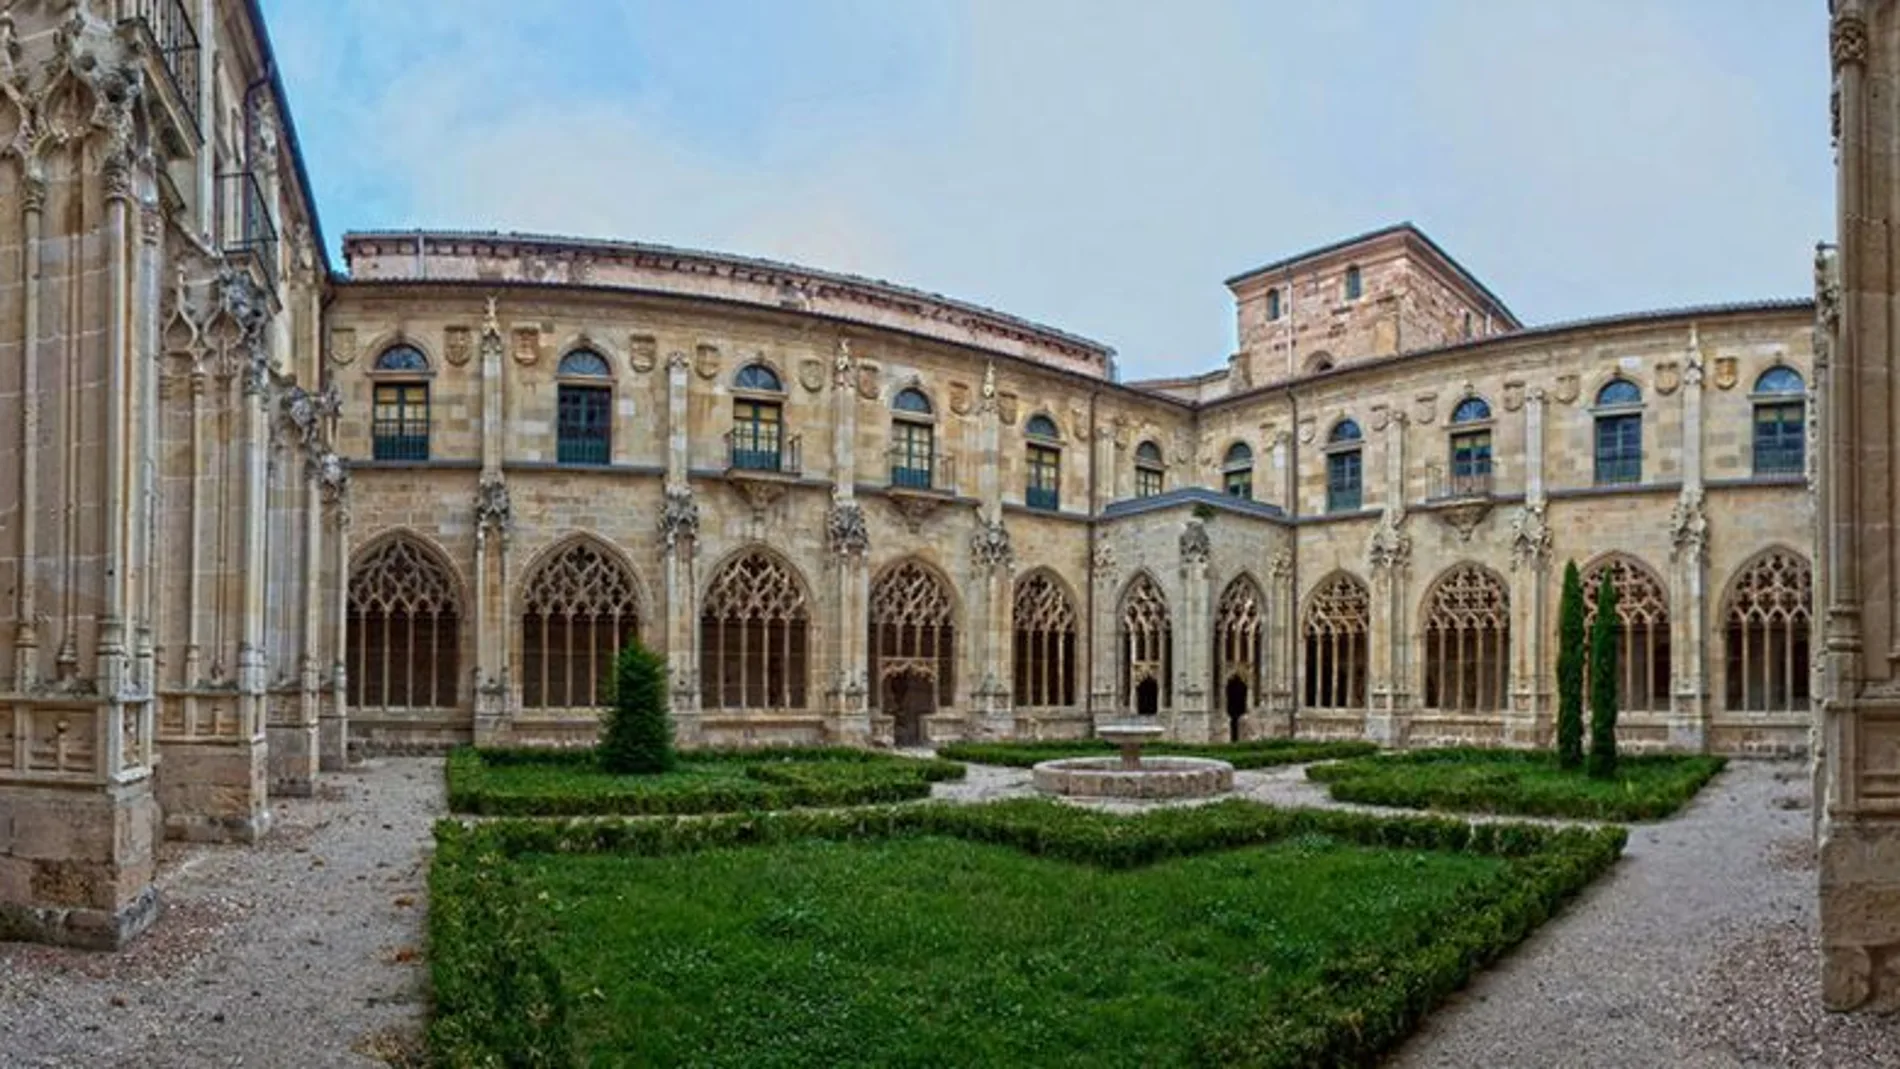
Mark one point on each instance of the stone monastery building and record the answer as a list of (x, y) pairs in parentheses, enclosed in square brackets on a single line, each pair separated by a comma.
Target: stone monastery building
[(259, 511)]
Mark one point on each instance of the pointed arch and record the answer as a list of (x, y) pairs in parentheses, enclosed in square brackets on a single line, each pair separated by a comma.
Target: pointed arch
[(402, 628), (1467, 649), (1767, 624), (1641, 629), (1146, 632), (1044, 630), (755, 634), (1336, 632), (1239, 626), (913, 623), (580, 604)]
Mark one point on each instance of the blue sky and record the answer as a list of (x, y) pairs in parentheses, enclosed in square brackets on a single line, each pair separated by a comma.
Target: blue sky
[(1098, 165)]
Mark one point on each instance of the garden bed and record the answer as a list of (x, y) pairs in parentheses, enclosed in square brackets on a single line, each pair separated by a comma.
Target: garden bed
[(1262, 753), (572, 783), (1019, 933), (1520, 783)]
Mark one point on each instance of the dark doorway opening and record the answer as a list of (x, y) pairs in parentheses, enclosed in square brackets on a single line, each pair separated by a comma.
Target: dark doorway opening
[(1148, 697), (909, 698), (1236, 707)]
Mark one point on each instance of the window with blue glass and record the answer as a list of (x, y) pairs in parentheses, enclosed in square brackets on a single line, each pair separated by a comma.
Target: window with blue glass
[(1237, 471), (1043, 485), (1354, 285), (399, 418), (1344, 467), (1470, 448), (1273, 304), (913, 441), (584, 410), (1148, 470), (1619, 434), (1781, 432), (758, 424)]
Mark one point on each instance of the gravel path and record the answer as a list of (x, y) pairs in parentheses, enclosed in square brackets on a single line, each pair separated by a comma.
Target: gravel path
[(302, 951)]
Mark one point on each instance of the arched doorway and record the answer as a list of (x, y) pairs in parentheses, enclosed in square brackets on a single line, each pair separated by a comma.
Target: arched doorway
[(1236, 707), (1148, 697), (910, 696), (913, 648)]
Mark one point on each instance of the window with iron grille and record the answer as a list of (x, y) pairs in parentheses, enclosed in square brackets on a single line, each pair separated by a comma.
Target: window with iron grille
[(399, 424), (1619, 449), (1343, 481), (757, 436), (585, 425), (1045, 478)]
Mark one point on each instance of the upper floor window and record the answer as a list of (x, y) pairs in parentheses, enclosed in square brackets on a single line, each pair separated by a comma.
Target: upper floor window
[(1273, 304), (1344, 467), (1148, 469), (758, 424), (913, 440), (1619, 433), (399, 420), (1354, 285), (1467, 324), (1780, 422), (1043, 484), (1470, 449), (1237, 471), (584, 409)]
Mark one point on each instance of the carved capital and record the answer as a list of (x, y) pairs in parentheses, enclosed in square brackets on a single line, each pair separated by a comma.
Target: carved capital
[(846, 531), (1530, 538), (990, 546), (493, 510), (1689, 528), (679, 520), (1847, 40), (1196, 547), (1389, 549)]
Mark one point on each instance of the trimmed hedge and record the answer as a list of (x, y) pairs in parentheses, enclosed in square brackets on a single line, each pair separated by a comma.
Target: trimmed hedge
[(1357, 1008), (1262, 753), (1520, 783), (544, 783)]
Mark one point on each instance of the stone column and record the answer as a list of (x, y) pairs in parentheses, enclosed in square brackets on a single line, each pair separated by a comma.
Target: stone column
[(992, 564), (679, 548), (1532, 720), (849, 538), (1193, 635), (1388, 559), (1859, 700), (494, 512), (1688, 578), (1104, 637)]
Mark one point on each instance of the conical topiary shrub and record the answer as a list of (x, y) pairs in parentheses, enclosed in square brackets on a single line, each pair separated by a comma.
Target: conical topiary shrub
[(1570, 658), (638, 735), (1603, 683)]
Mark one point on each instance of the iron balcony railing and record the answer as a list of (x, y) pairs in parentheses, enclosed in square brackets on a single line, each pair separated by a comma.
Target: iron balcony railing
[(392, 442), (913, 469), (1459, 482), (1344, 497), (1043, 497), (1780, 458), (244, 222), (176, 39), (757, 449), (1619, 469)]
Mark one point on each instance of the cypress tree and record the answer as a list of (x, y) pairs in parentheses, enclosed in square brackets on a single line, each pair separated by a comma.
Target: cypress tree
[(1603, 684), (1570, 655), (638, 735)]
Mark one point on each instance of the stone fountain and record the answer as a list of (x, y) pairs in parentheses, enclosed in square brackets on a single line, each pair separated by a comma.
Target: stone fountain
[(1132, 776)]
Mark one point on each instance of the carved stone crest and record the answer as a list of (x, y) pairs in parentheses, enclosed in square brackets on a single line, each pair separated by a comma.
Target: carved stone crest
[(458, 345), (1530, 538), (1390, 546), (1280, 568), (1513, 395), (679, 519), (706, 361), (811, 374), (1079, 422), (643, 352), (845, 530), (961, 399), (527, 347), (867, 380), (1307, 429), (342, 346), (990, 547), (1007, 407), (1566, 389), (1727, 372), (1196, 547), (1425, 408), (1668, 377), (1381, 415)]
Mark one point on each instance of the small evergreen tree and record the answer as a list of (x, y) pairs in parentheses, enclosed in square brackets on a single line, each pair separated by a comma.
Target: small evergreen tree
[(638, 735), (1603, 684), (1570, 657)]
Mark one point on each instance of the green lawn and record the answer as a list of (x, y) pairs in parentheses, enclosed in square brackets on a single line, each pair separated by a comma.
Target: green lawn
[(1262, 753), (1024, 933), (571, 783), (1519, 782)]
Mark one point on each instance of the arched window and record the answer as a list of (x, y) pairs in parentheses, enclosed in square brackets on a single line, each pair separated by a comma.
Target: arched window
[(1147, 642), (1273, 304), (1318, 362), (399, 422), (1336, 632), (1344, 467), (754, 637), (577, 610), (913, 648), (1237, 470), (1043, 619), (1148, 470), (1354, 285), (1769, 616), (757, 441), (1780, 422), (1619, 433), (584, 400), (1467, 642), (914, 460), (1642, 632), (1043, 489), (1470, 450), (402, 636), (1239, 621)]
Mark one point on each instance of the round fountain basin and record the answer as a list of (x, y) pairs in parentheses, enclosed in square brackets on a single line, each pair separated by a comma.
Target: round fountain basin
[(1155, 778)]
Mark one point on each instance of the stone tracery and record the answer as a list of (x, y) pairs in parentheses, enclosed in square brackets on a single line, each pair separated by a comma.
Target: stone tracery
[(1147, 648), (1335, 637), (755, 638), (1768, 617), (578, 609), (1642, 631), (402, 632), (1467, 650), (1043, 621)]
